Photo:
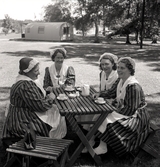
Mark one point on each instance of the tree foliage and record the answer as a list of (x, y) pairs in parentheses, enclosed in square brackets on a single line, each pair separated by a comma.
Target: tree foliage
[(82, 20), (152, 18), (124, 16), (7, 22), (58, 12)]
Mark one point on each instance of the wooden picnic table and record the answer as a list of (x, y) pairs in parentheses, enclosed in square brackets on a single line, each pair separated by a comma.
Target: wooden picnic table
[(82, 105)]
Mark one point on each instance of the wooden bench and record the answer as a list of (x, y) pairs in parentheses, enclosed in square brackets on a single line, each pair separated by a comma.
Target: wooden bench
[(146, 145), (46, 148)]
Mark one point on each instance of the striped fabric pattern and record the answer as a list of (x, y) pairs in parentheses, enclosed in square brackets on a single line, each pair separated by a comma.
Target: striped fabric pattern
[(25, 98), (70, 77), (111, 93), (126, 134)]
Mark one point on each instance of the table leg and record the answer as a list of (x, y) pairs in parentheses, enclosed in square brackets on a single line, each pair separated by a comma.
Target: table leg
[(25, 161), (85, 139)]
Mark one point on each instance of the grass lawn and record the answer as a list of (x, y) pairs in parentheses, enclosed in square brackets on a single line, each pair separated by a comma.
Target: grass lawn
[(83, 55)]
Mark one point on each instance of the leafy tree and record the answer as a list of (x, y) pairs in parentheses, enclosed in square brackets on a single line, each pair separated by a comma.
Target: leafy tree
[(125, 18), (82, 20), (58, 12), (7, 22), (152, 20), (88, 14)]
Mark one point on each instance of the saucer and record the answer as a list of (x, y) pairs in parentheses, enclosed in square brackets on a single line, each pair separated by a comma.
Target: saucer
[(100, 102), (72, 95), (69, 89), (64, 98)]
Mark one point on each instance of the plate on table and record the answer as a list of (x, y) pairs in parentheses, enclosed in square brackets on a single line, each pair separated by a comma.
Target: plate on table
[(62, 98), (69, 89), (100, 102)]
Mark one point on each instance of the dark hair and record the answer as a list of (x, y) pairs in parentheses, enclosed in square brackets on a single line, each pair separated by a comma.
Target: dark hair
[(56, 52), (128, 65), (114, 67)]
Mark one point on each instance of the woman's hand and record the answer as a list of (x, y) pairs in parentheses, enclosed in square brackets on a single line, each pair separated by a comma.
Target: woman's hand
[(49, 89), (115, 103), (50, 98), (95, 96), (51, 95)]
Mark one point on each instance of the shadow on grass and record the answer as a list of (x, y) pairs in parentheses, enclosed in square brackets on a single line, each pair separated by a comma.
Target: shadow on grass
[(28, 53), (154, 111), (109, 159), (90, 52), (4, 93)]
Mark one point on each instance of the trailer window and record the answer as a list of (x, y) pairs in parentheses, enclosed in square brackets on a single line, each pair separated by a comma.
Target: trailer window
[(41, 30), (66, 30)]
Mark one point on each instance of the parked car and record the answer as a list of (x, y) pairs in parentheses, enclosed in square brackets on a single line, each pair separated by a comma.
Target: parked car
[(107, 32), (79, 32)]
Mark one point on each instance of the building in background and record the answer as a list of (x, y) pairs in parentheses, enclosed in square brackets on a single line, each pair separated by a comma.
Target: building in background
[(49, 31)]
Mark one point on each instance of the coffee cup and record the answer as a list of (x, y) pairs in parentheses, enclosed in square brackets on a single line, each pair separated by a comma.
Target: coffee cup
[(69, 87), (62, 96), (100, 99)]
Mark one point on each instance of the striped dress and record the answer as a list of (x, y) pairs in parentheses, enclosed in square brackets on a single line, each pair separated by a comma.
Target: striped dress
[(69, 75), (126, 134), (110, 93), (25, 99)]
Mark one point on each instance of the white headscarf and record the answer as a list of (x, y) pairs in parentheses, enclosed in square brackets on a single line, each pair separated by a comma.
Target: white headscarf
[(129, 59), (53, 51), (114, 57)]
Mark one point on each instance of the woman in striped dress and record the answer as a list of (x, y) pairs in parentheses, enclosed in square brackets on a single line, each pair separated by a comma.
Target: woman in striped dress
[(28, 104), (108, 84), (127, 127)]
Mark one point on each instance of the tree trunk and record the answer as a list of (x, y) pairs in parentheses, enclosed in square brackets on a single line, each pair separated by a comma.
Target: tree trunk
[(104, 30), (96, 33), (127, 39), (136, 37), (154, 39)]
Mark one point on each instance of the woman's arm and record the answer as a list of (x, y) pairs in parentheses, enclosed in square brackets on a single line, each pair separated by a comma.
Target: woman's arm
[(133, 99), (33, 97), (110, 93)]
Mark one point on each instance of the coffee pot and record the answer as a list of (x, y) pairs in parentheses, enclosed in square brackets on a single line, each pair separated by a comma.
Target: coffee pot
[(85, 90)]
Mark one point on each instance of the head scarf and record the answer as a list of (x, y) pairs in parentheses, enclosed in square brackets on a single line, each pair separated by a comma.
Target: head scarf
[(26, 64), (54, 52), (106, 55), (129, 59)]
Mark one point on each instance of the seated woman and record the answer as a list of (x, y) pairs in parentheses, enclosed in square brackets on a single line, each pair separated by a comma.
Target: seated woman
[(108, 83), (58, 73), (29, 104), (108, 75), (126, 128)]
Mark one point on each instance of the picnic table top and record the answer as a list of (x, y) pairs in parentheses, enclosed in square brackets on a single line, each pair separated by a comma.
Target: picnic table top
[(80, 105)]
